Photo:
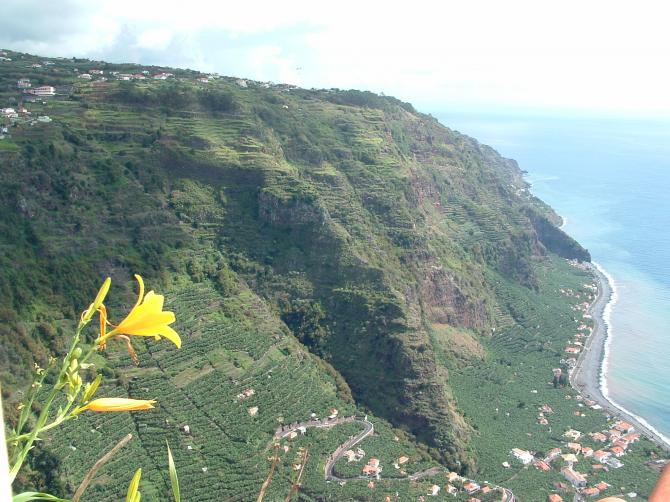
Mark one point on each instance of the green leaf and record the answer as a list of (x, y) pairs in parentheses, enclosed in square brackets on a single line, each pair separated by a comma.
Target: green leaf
[(26, 496), (133, 489), (174, 480)]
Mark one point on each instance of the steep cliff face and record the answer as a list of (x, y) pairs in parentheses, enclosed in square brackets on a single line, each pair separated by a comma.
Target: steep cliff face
[(358, 221)]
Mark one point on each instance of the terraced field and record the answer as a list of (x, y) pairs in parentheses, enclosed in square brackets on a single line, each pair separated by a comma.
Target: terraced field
[(321, 248)]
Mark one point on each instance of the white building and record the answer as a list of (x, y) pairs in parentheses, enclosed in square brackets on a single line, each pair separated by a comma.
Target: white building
[(522, 456), (45, 90)]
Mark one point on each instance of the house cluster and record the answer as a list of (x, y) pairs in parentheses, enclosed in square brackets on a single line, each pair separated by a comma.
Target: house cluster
[(616, 441), (457, 484), (19, 115), (26, 86)]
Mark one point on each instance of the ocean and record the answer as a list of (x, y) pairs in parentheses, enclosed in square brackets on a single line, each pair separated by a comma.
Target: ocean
[(610, 180)]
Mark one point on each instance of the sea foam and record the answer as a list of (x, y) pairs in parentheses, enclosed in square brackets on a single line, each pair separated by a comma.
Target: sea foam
[(607, 320)]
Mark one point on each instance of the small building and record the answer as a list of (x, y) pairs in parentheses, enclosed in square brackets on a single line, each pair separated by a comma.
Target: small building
[(590, 492), (522, 456), (577, 479), (372, 468), (570, 457), (9, 113), (23, 83), (586, 451), (434, 490), (241, 82), (85, 76), (552, 454), (333, 413), (45, 90), (452, 476), (554, 497), (403, 460), (541, 465), (614, 462), (576, 447), (621, 444), (631, 438), (624, 427), (354, 456), (614, 434), (471, 487), (601, 455), (451, 490), (598, 436), (602, 486), (253, 410), (572, 434), (617, 451)]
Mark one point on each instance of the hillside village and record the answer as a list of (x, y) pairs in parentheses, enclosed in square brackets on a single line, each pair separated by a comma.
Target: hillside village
[(27, 103)]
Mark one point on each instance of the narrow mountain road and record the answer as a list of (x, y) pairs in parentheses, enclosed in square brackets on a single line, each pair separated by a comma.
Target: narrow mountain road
[(368, 428), (350, 443), (424, 474)]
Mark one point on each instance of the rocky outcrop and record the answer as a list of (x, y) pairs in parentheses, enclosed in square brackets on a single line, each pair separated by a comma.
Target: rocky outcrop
[(289, 211)]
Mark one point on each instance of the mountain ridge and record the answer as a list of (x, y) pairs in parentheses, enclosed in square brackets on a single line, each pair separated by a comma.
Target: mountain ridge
[(354, 222)]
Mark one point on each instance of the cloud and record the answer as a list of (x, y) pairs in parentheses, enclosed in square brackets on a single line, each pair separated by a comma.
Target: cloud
[(596, 55)]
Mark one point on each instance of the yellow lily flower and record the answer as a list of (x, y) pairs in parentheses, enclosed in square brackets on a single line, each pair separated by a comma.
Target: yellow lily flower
[(146, 318), (118, 404)]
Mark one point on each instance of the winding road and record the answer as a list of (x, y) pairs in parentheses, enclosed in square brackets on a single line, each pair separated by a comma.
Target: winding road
[(368, 428)]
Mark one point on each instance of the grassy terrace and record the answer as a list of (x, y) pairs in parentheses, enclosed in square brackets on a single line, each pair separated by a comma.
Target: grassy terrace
[(230, 344)]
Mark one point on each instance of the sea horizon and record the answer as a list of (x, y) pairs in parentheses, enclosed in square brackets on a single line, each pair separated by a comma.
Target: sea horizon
[(604, 177)]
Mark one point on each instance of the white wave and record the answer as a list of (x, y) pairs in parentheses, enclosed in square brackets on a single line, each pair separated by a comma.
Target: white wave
[(564, 221), (607, 320)]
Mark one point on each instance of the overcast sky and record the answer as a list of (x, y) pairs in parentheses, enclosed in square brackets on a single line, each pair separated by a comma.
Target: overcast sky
[(584, 56)]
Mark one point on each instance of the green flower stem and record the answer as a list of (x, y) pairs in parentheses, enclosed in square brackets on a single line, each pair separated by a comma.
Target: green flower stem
[(63, 416), (21, 452)]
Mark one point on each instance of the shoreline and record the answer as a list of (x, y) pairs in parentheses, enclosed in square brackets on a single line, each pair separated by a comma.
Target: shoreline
[(589, 376)]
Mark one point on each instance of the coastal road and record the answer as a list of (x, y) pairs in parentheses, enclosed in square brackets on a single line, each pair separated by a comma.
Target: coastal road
[(585, 377)]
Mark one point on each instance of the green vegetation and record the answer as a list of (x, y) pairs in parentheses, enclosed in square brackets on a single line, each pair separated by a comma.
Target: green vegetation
[(324, 248)]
